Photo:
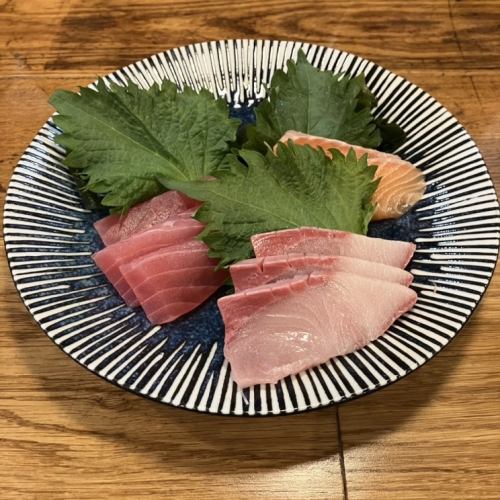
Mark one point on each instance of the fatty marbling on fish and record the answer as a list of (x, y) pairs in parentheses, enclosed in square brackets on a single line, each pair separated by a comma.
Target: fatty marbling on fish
[(261, 270), (332, 242), (146, 215)]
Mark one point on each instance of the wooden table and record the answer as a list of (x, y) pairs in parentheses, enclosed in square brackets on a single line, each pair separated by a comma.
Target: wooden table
[(64, 433)]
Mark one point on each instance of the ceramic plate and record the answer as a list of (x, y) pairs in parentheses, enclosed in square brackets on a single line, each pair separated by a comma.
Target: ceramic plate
[(49, 239)]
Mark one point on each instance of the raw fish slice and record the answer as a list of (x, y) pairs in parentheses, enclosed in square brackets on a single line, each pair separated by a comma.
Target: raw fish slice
[(173, 280), (174, 310), (145, 215), (280, 329), (102, 226), (401, 183), (168, 263), (110, 258), (254, 272), (129, 297), (236, 309), (173, 258), (312, 240), (201, 275), (176, 257), (168, 304), (169, 233)]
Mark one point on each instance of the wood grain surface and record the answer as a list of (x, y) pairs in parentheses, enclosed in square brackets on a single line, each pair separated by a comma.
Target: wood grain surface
[(64, 433)]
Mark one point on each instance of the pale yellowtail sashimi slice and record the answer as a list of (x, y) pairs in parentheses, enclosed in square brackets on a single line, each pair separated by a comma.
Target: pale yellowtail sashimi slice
[(280, 329), (318, 241), (254, 272), (401, 183)]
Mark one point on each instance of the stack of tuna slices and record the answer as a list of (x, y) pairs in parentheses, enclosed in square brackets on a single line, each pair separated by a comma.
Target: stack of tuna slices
[(310, 295), (153, 259)]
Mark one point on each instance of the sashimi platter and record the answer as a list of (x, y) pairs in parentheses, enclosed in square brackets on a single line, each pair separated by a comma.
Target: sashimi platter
[(251, 227)]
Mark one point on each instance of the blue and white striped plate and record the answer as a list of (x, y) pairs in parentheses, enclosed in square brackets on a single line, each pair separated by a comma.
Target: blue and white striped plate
[(49, 239)]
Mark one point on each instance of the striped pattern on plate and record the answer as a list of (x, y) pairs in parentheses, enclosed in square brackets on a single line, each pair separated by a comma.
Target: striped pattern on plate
[(49, 239)]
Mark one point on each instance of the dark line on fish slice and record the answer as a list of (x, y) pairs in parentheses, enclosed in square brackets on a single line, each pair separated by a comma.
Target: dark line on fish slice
[(341, 454)]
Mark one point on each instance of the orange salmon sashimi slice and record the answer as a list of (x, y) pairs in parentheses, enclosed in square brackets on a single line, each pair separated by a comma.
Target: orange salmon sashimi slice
[(401, 183)]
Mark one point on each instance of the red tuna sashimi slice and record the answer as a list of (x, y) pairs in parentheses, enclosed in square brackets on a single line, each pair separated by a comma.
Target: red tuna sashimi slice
[(254, 272), (102, 226), (110, 258), (188, 253), (313, 240), (145, 215), (159, 280), (178, 292), (178, 302), (401, 183), (171, 303), (280, 329), (184, 255)]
